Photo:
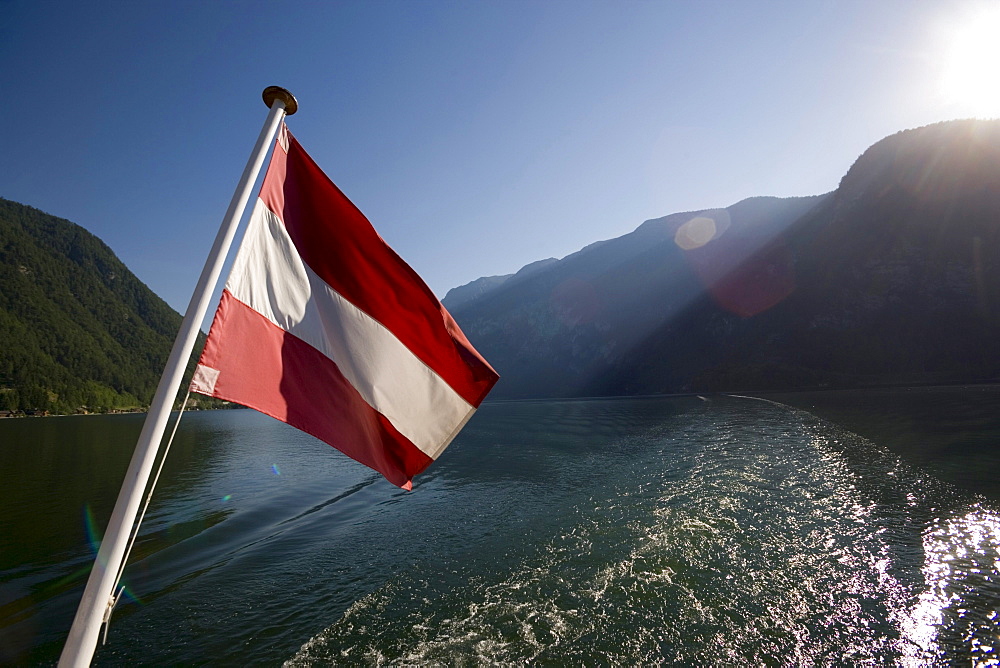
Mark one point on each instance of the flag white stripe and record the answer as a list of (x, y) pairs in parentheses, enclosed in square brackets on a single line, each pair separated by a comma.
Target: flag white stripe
[(269, 276)]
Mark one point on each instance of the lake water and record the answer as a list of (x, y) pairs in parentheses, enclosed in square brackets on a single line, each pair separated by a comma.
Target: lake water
[(715, 531)]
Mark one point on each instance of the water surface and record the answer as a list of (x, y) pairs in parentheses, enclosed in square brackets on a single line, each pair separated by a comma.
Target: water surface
[(714, 530)]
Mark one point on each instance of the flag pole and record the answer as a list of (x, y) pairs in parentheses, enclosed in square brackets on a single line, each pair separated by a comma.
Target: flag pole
[(99, 592)]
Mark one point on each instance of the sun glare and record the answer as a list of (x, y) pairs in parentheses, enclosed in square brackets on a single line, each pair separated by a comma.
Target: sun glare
[(971, 63)]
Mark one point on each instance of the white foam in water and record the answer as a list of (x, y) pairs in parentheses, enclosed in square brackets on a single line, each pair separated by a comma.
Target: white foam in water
[(744, 533), (594, 532)]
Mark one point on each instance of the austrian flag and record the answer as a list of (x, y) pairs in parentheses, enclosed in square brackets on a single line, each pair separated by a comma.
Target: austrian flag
[(322, 326)]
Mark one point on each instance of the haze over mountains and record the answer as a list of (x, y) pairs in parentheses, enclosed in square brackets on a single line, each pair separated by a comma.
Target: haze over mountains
[(893, 278)]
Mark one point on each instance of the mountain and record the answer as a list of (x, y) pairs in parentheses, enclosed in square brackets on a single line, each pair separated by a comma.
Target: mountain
[(892, 278), (481, 286), (472, 291), (79, 330)]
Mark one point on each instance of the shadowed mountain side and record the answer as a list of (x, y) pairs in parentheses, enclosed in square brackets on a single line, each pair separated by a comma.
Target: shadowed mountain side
[(472, 291), (893, 278), (565, 328), (480, 287)]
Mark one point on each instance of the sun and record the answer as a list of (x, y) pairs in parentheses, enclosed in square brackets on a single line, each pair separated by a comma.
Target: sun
[(970, 75)]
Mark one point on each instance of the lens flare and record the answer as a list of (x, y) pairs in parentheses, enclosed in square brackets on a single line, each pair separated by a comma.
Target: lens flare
[(90, 528), (695, 233), (703, 228), (94, 541)]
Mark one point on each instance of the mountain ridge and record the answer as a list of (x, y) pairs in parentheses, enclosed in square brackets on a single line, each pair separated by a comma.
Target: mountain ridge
[(849, 288), (892, 278)]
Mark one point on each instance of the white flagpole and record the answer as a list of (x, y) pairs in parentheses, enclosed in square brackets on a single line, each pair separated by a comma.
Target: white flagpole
[(98, 595)]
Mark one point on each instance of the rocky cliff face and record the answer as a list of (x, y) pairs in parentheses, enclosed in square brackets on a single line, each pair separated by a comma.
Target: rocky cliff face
[(892, 278)]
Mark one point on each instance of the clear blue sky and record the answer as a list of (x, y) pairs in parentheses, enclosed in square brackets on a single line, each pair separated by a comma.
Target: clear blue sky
[(477, 136)]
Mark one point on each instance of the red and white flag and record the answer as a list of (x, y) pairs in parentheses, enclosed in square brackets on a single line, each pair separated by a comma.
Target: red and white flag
[(322, 326)]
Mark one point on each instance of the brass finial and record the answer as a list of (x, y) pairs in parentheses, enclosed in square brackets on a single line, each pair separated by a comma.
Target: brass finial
[(272, 93)]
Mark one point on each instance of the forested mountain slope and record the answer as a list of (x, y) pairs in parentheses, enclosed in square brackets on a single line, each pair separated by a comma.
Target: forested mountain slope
[(78, 331)]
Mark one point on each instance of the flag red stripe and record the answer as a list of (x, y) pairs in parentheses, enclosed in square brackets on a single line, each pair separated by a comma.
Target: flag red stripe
[(339, 244), (283, 377), (269, 277)]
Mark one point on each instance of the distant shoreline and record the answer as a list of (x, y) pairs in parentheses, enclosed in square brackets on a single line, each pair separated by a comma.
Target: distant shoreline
[(755, 393), (749, 392), (137, 411)]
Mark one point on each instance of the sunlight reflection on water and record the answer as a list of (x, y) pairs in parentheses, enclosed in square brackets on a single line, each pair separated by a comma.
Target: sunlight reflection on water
[(745, 533), (960, 563), (686, 531)]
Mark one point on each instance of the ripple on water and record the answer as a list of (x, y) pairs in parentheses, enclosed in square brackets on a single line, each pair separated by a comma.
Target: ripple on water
[(748, 532)]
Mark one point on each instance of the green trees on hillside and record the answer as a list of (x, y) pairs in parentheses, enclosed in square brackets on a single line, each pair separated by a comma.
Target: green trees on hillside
[(78, 331)]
